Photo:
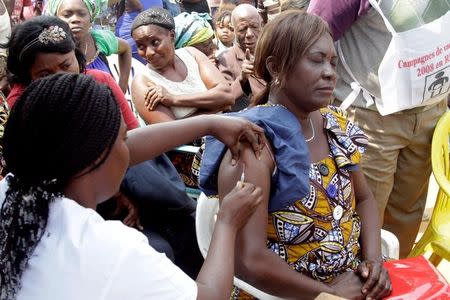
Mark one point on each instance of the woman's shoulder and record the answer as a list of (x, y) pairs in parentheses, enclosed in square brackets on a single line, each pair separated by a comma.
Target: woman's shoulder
[(291, 155), (106, 41), (337, 112), (14, 94), (99, 76), (347, 141), (189, 54)]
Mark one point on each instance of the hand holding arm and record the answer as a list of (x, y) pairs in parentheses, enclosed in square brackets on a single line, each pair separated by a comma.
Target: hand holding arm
[(256, 264), (217, 97), (150, 141), (216, 276)]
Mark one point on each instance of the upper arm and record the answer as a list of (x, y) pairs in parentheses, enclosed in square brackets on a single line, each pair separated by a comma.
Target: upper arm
[(106, 41), (123, 46), (224, 67), (252, 237), (360, 186), (209, 74), (139, 88), (339, 14)]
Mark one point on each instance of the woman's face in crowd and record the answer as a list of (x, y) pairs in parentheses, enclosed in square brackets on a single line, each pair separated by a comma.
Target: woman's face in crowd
[(50, 63), (310, 84), (225, 32), (155, 45), (110, 174), (76, 14)]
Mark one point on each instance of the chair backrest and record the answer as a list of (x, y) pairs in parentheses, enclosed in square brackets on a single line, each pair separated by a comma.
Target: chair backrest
[(441, 168), (205, 219), (136, 68), (207, 209)]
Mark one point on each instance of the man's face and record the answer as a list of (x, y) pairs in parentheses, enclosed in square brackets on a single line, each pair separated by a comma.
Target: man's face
[(247, 29)]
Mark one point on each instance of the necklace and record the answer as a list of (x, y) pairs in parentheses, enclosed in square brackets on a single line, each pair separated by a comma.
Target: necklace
[(88, 62), (313, 132), (310, 122)]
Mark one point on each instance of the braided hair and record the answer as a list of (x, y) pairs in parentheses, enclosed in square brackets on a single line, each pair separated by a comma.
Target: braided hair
[(62, 126), (22, 56)]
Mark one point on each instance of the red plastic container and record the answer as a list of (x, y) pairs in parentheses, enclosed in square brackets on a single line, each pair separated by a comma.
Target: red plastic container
[(416, 279)]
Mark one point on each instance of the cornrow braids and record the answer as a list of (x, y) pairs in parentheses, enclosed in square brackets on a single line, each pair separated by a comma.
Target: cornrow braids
[(62, 126)]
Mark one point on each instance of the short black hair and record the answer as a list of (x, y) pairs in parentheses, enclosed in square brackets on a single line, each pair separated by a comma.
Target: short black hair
[(22, 53), (154, 16)]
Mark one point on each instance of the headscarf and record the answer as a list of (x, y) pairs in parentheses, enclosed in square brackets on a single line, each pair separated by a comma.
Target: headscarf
[(154, 16), (191, 29), (94, 7)]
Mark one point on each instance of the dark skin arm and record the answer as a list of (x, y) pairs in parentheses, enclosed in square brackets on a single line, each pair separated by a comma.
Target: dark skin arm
[(148, 142), (237, 206), (139, 89), (215, 99), (261, 267), (124, 64), (256, 264), (377, 283)]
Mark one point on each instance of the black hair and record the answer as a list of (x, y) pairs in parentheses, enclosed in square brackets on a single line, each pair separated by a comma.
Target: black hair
[(222, 14), (22, 50), (62, 126), (154, 16)]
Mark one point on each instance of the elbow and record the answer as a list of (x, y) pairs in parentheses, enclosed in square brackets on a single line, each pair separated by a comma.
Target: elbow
[(226, 95), (250, 268)]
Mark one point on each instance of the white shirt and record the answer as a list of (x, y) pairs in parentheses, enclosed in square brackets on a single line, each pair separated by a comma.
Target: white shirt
[(82, 256), (5, 28)]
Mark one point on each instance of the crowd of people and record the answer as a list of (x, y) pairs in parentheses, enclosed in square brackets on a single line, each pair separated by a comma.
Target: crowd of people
[(305, 142)]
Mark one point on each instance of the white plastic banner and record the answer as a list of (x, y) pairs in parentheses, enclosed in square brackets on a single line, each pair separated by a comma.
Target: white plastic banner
[(415, 70)]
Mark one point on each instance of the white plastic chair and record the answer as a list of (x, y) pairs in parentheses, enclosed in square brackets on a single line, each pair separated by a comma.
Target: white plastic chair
[(136, 68), (205, 219)]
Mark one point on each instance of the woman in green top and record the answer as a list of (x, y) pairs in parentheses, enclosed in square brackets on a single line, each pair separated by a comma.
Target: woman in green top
[(95, 44)]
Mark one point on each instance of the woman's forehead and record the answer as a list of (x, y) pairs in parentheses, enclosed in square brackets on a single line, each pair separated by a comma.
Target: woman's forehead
[(149, 31), (72, 4)]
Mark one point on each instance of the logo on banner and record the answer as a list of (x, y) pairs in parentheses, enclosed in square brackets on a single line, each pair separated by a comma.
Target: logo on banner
[(437, 83)]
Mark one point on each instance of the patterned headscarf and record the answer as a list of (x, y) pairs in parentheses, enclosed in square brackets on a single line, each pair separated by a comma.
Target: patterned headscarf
[(94, 7), (191, 29)]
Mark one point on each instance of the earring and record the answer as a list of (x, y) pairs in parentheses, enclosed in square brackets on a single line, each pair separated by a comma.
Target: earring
[(276, 81)]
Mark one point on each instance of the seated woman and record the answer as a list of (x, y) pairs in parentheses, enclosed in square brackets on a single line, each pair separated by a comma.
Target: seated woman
[(179, 83), (95, 44), (195, 30), (66, 154), (316, 230), (126, 11), (36, 51), (44, 45)]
